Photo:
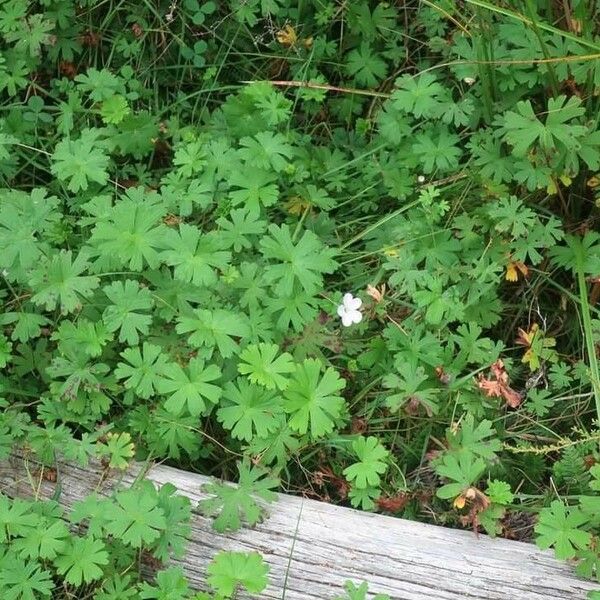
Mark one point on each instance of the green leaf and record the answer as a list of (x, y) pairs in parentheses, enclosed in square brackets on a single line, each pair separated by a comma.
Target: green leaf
[(561, 527), (16, 518), (371, 455), (171, 584), (259, 363), (20, 580), (114, 109), (499, 492), (243, 223), (59, 282), (359, 593), (523, 128), (195, 256), (231, 571), (365, 65), (143, 370), (27, 325), (45, 541), (82, 561), (410, 386), (214, 328), (479, 440), (80, 161), (132, 234), (250, 411), (99, 84), (579, 254), (266, 150), (464, 471), (312, 400), (82, 336), (304, 262), (24, 219), (189, 387), (136, 519), (236, 503), (119, 448), (127, 297), (421, 96)]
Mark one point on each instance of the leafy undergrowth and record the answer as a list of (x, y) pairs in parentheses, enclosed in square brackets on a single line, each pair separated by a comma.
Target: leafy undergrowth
[(343, 249)]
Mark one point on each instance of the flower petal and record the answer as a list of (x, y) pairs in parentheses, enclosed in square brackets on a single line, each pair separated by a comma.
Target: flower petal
[(341, 310), (347, 300), (355, 303), (347, 319), (356, 316)]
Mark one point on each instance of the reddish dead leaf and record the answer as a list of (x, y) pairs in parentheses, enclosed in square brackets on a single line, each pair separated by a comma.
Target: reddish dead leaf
[(394, 503), (137, 30), (68, 69), (442, 375), (359, 425), (325, 475), (477, 502), (498, 385)]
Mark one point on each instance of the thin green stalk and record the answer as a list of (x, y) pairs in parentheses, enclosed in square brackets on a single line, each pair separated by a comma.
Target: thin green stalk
[(536, 31), (589, 336), (543, 26)]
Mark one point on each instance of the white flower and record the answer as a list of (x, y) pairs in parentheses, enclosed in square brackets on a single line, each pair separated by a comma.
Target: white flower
[(421, 179), (349, 310), (469, 80)]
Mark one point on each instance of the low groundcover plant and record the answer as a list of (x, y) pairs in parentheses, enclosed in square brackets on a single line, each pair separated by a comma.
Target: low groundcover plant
[(345, 249)]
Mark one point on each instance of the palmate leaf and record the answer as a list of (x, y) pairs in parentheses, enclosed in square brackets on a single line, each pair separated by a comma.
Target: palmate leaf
[(421, 96), (237, 504), (189, 387), (82, 561), (170, 584), (579, 254), (45, 541), (24, 580), (230, 571), (80, 161), (127, 297), (23, 217), (523, 128), (194, 255), (259, 363), (479, 440), (255, 188), (27, 325), (137, 520), (312, 400), (16, 518), (371, 455), (277, 447), (463, 471), (174, 536), (266, 150), (143, 370), (59, 282), (251, 411), (244, 222), (561, 527), (214, 329), (303, 262), (359, 593), (366, 66), (132, 234)]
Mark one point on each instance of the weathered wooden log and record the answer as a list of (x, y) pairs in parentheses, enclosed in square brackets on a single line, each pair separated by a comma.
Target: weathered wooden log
[(313, 547)]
